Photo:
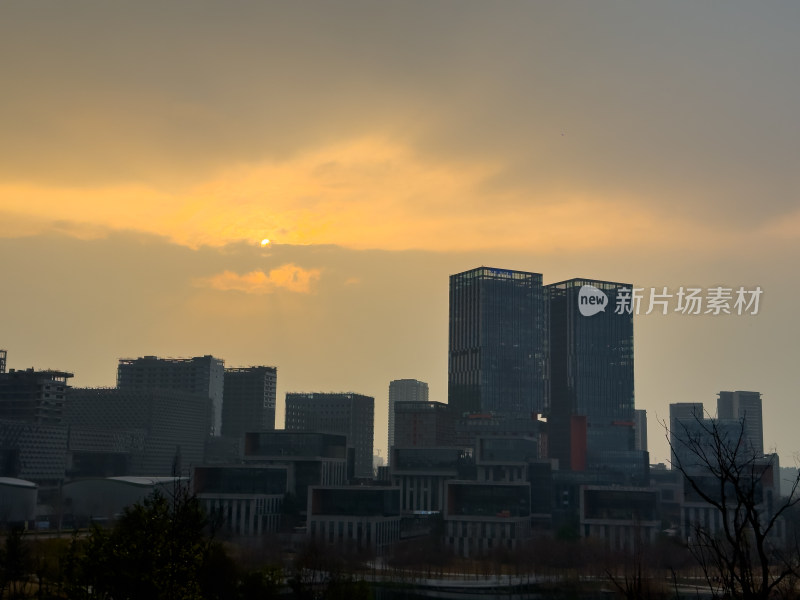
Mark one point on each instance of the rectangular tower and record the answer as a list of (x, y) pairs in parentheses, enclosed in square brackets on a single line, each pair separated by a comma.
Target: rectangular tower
[(591, 368), (343, 413), (744, 406), (203, 375), (497, 342), (685, 420), (404, 390), (249, 400)]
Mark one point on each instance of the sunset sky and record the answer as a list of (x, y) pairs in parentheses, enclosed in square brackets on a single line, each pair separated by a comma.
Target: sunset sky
[(147, 148)]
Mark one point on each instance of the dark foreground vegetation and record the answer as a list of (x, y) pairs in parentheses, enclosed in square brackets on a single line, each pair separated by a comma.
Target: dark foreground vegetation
[(167, 548)]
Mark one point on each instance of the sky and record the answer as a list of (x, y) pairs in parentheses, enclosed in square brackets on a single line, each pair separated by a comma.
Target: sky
[(148, 148)]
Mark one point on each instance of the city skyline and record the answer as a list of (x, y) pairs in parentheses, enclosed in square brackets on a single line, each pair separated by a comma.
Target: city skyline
[(293, 185)]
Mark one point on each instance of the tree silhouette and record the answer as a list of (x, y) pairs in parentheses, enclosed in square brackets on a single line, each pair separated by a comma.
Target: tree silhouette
[(744, 554), (158, 549)]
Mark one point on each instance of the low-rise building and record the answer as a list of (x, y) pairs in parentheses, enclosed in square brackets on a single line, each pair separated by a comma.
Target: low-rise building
[(622, 517), (244, 499), (356, 518), (483, 517)]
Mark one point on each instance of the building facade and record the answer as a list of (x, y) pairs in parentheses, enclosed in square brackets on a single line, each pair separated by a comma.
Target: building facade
[(249, 400), (349, 414), (245, 500), (404, 390), (591, 370), (33, 396), (203, 375), (168, 428), (423, 425), (746, 407), (497, 342), (355, 519)]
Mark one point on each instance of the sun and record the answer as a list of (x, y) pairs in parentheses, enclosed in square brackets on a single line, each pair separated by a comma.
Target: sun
[(264, 243)]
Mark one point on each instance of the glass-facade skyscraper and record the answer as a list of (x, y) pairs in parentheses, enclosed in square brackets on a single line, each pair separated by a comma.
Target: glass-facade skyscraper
[(497, 342), (591, 370)]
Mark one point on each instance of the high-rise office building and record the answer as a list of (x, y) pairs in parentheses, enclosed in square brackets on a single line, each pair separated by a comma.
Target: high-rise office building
[(591, 371), (160, 432), (203, 375), (684, 419), (249, 400), (745, 407), (33, 396), (423, 425), (404, 390), (640, 429), (346, 413), (497, 342)]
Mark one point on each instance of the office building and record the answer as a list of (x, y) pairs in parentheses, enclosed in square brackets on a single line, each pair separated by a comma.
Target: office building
[(169, 427), (746, 407), (33, 452), (346, 413), (355, 519), (245, 500), (204, 375), (591, 372), (248, 400), (421, 474), (33, 437), (497, 342), (622, 517), (684, 418), (33, 396), (423, 425), (310, 458), (640, 429), (404, 390), (481, 518)]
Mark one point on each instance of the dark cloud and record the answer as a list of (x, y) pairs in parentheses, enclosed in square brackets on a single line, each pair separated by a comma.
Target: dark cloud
[(674, 103)]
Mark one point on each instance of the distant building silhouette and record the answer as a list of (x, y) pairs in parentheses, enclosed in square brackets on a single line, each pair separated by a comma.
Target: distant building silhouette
[(682, 416), (403, 390), (249, 400), (199, 375), (345, 413), (162, 431), (33, 396), (33, 436), (497, 342), (744, 406)]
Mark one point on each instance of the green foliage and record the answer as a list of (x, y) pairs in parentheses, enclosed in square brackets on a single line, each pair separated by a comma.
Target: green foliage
[(158, 549), (15, 564), (261, 584)]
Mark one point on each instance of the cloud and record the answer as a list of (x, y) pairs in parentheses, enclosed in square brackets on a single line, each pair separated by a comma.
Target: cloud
[(289, 277)]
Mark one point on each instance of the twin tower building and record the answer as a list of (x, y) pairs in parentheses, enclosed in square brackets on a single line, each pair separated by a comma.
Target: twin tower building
[(519, 350)]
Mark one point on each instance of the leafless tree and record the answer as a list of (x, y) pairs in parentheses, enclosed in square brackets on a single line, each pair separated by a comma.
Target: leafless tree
[(742, 550)]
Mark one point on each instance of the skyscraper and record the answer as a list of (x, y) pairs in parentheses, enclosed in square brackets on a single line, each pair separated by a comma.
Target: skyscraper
[(249, 400), (345, 413), (686, 419), (203, 375), (744, 406), (404, 390), (591, 371), (497, 342)]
